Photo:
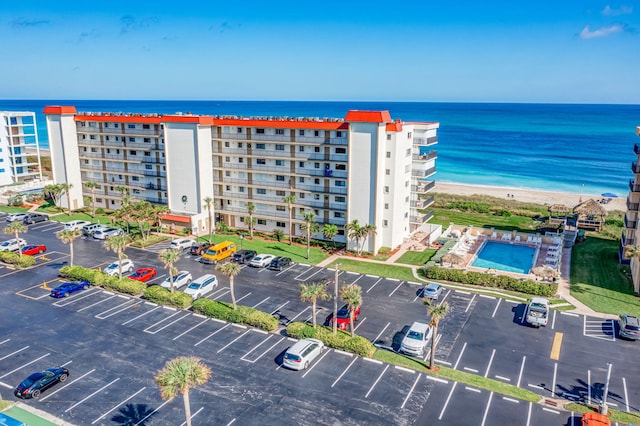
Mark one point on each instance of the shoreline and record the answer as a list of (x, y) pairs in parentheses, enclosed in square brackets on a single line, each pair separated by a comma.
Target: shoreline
[(527, 195)]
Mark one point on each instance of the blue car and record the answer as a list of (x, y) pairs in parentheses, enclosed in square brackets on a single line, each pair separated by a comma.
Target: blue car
[(63, 290)]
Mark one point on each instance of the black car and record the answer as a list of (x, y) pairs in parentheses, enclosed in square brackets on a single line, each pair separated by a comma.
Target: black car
[(244, 256), (198, 248), (34, 218), (279, 263), (37, 382)]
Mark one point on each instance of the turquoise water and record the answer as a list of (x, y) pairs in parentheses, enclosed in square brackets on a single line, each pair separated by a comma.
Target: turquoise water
[(505, 257)]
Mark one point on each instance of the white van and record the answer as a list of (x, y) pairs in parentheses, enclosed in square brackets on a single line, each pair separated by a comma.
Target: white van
[(416, 339), (201, 286), (76, 224), (302, 353)]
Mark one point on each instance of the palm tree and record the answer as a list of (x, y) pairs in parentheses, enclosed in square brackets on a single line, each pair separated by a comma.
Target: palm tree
[(16, 228), (208, 201), (54, 191), (290, 200), (67, 236), (311, 293), (124, 195), (179, 375), (230, 269), (354, 232), (158, 214), (367, 230), (310, 226), (66, 188), (351, 294), (117, 244), (437, 313), (169, 257), (92, 187), (251, 208), (329, 231)]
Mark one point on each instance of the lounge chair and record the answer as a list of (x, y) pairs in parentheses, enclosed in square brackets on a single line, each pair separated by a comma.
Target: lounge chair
[(530, 239), (494, 235), (552, 260), (517, 239), (505, 237), (554, 248), (554, 266)]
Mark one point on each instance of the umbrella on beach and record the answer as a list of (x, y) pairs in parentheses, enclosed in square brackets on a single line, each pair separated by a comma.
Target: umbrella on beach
[(609, 194)]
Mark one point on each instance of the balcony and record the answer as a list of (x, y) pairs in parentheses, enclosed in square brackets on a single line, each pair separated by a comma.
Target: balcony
[(419, 218), (423, 173), (633, 187), (422, 203), (152, 159), (425, 141), (154, 173), (629, 224), (627, 241), (632, 206), (636, 149), (423, 188), (634, 167), (425, 157)]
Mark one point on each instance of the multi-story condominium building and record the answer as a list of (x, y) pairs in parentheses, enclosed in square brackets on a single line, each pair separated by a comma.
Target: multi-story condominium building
[(17, 133), (631, 219), (365, 167)]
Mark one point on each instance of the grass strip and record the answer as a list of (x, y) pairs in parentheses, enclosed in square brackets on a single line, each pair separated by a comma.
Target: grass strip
[(614, 415), (418, 258), (457, 376), (381, 270)]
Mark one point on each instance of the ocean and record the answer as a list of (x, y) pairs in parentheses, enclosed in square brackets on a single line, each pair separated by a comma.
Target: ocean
[(555, 147)]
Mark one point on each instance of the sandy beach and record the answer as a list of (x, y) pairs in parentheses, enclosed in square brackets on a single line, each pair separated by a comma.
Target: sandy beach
[(527, 195)]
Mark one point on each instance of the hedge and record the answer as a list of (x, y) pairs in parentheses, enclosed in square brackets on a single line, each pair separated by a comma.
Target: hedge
[(491, 280), (99, 278), (17, 260), (163, 296), (240, 315), (341, 341)]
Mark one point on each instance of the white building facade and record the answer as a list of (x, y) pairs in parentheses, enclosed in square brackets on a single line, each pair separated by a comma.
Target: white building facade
[(364, 167), (19, 148)]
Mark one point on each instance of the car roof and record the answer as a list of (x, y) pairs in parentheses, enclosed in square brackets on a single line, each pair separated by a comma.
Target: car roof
[(419, 326), (434, 285), (204, 278), (301, 345), (632, 320)]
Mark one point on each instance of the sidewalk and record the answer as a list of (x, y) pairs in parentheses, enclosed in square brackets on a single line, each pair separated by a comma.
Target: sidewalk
[(32, 416)]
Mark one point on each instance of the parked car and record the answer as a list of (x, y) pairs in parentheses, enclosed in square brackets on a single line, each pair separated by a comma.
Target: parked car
[(14, 217), (143, 274), (629, 327), (12, 244), (261, 260), (76, 224), (432, 291), (343, 317), (415, 341), (300, 355), (279, 263), (244, 256), (181, 279), (201, 286), (32, 250), (65, 289), (34, 218), (181, 244), (537, 312), (198, 248), (88, 230), (32, 386), (218, 252), (103, 234), (127, 267)]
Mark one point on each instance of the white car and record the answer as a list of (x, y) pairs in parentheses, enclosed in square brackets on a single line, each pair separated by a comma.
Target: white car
[(76, 224), (201, 286), (103, 234), (14, 217), (181, 244), (261, 260), (127, 267), (12, 245), (300, 355), (181, 279), (415, 341)]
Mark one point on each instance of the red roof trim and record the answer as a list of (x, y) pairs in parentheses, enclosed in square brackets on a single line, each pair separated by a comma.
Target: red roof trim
[(176, 218), (368, 116), (282, 124), (58, 110), (394, 127)]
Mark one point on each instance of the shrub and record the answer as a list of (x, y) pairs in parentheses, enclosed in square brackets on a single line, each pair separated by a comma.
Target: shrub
[(163, 296), (503, 213), (341, 341), (80, 273), (17, 260), (384, 250), (490, 280), (124, 285), (241, 315), (99, 278)]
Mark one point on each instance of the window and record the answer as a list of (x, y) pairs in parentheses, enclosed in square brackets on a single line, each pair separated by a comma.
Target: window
[(341, 232), (280, 224), (226, 144), (280, 193), (386, 189), (146, 126), (316, 133), (131, 126), (132, 152), (92, 137), (301, 148), (341, 183), (261, 191), (241, 189), (147, 154), (279, 131), (386, 206), (316, 149), (241, 160), (106, 137), (341, 167), (316, 197), (148, 166), (406, 200), (406, 184), (387, 172), (279, 162), (98, 200), (338, 134), (239, 144), (260, 146), (227, 159), (105, 125), (301, 179), (388, 154), (341, 150), (301, 164), (279, 178), (301, 132), (147, 140), (241, 218), (260, 131), (228, 187), (86, 161), (132, 139), (385, 223), (262, 221), (316, 165), (93, 149), (408, 152), (261, 161), (338, 215), (227, 173), (316, 181), (116, 125), (279, 147), (301, 197), (340, 199), (408, 135), (388, 137), (135, 178), (280, 208), (239, 129)]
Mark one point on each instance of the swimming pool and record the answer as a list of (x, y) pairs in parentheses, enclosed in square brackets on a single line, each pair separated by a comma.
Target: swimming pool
[(505, 257)]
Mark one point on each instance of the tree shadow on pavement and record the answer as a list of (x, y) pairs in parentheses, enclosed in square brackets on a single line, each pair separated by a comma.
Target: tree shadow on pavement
[(133, 414)]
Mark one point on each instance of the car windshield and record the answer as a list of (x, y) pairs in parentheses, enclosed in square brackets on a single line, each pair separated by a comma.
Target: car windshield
[(415, 335), (343, 313), (211, 252), (6, 243), (112, 266), (538, 305), (431, 289), (257, 258), (292, 357), (196, 286)]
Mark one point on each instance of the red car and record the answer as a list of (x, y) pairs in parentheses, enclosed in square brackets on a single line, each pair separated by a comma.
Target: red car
[(343, 317), (143, 274), (34, 249)]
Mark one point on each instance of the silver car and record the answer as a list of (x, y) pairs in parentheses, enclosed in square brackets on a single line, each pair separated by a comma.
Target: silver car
[(432, 291), (103, 234), (300, 355)]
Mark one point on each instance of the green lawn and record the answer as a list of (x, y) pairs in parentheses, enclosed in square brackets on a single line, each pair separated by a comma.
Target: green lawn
[(297, 253), (8, 209), (418, 258), (599, 281), (382, 270), (101, 218), (482, 220)]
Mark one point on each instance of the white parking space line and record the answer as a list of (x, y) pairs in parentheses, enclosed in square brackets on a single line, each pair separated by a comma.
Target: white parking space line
[(550, 410), (301, 312), (232, 342), (394, 290), (484, 296), (626, 395), (524, 358), (553, 386), (357, 279), (455, 367), (222, 294), (66, 363), (380, 334), (213, 334), (256, 347), (146, 330), (243, 297), (96, 303), (140, 316), (315, 363), (159, 277), (486, 373), (535, 386), (285, 270), (444, 407), (48, 395), (496, 308), (13, 353), (265, 351), (167, 325), (316, 273), (280, 307), (153, 412), (89, 293), (374, 284), (506, 379), (553, 321), (117, 309), (529, 414), (462, 292), (102, 388), (470, 302), (261, 302), (303, 273), (4, 341), (376, 382), (473, 389), (428, 354), (192, 328), (343, 373), (473, 370), (445, 296), (193, 415), (24, 365), (6, 385), (359, 324), (116, 406), (406, 398), (515, 401), (589, 387), (486, 411), (231, 422)]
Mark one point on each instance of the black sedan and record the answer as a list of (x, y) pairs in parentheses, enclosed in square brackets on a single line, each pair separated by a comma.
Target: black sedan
[(32, 386), (279, 263), (34, 218), (65, 289)]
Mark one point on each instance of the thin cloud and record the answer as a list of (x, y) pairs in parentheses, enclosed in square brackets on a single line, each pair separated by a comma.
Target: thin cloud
[(27, 23), (587, 33), (130, 23), (223, 27), (623, 10)]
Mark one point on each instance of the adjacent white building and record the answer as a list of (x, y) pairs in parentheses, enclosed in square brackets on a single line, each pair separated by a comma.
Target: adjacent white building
[(19, 148), (365, 167)]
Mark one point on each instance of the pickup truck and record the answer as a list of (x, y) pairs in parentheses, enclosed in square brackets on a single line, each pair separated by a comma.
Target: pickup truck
[(537, 312)]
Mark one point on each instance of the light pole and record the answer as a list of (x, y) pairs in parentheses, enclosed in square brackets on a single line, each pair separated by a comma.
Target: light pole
[(335, 300), (604, 409)]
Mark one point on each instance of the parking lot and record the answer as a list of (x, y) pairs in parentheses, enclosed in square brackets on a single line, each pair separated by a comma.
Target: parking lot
[(114, 344)]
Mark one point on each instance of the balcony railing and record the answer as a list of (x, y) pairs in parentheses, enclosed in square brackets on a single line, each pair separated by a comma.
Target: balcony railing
[(425, 157), (634, 167), (629, 224), (632, 206), (633, 187), (152, 159), (636, 149), (425, 141), (423, 173), (153, 173), (627, 241)]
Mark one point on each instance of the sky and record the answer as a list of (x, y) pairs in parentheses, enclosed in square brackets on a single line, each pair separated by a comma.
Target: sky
[(423, 51)]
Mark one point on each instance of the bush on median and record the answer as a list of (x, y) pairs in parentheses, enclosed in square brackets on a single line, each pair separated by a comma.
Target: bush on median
[(341, 341), (489, 280), (17, 260), (99, 278), (163, 296), (240, 315)]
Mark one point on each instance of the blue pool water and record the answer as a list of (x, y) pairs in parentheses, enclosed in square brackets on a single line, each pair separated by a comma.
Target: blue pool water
[(505, 257)]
